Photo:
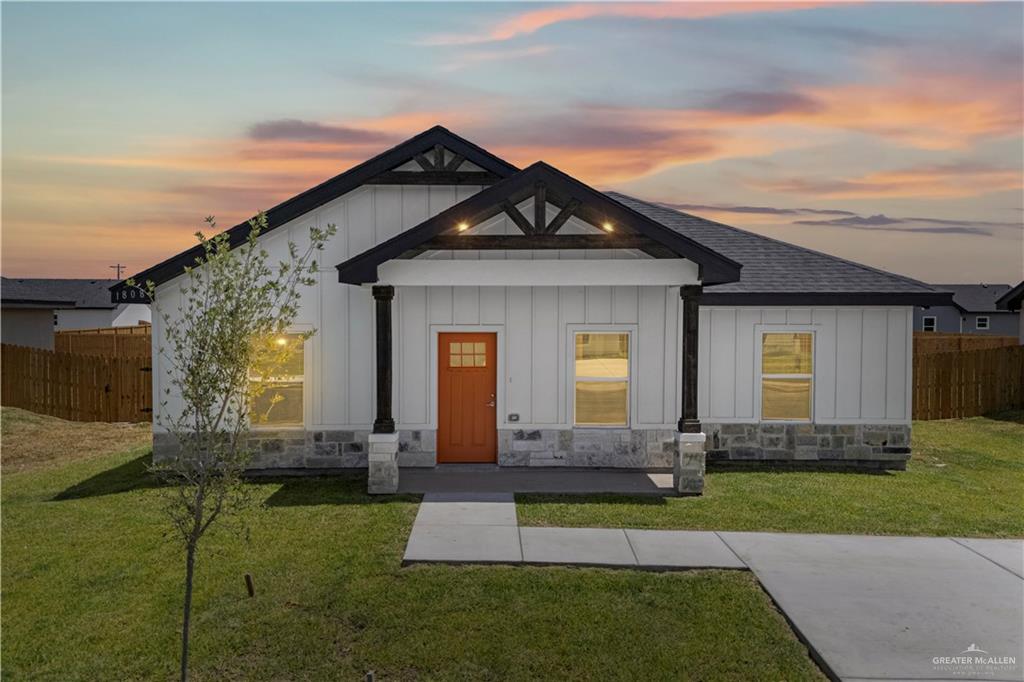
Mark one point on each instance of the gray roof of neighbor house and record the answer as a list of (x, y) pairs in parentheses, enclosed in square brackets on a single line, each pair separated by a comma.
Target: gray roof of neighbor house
[(976, 298), (1012, 299), (778, 273), (60, 293)]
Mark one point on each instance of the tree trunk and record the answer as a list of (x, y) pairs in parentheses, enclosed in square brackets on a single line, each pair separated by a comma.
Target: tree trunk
[(190, 565)]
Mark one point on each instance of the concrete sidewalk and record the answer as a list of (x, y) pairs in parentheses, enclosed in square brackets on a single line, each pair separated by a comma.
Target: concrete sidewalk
[(481, 528), (868, 607)]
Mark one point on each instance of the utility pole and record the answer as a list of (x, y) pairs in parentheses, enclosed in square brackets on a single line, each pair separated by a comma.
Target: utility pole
[(119, 268)]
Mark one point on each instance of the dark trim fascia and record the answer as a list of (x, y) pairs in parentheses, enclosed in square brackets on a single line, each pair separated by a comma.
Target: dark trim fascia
[(595, 208), (937, 298), (327, 191), (1012, 299)]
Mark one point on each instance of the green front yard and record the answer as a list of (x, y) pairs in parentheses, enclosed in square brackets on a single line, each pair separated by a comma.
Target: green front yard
[(92, 590), (966, 478), (92, 580)]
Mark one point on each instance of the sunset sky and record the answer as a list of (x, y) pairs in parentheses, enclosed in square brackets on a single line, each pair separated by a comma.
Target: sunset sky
[(890, 134)]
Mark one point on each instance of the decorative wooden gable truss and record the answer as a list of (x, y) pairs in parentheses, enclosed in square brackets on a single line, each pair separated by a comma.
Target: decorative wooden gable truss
[(620, 227)]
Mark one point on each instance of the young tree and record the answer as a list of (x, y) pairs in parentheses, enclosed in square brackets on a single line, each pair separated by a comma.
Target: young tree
[(223, 339)]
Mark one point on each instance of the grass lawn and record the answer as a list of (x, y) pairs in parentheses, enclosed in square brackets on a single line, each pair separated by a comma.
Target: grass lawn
[(92, 590), (966, 478)]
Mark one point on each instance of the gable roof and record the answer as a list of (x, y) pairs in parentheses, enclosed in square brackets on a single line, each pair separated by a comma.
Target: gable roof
[(592, 206), (57, 293), (778, 273), (976, 298), (329, 190), (1012, 299)]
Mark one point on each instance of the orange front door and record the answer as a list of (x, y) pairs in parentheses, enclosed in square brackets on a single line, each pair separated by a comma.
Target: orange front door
[(467, 426)]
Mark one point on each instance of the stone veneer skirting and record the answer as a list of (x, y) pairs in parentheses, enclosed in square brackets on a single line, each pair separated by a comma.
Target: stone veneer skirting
[(878, 445), (297, 449), (885, 446), (623, 448)]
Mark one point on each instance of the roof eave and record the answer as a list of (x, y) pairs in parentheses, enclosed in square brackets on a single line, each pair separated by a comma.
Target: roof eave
[(1012, 299), (869, 298), (329, 190)]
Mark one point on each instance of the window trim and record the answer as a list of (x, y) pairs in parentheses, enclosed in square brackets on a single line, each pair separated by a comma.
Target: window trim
[(977, 323), (924, 323), (630, 331), (307, 393), (761, 330)]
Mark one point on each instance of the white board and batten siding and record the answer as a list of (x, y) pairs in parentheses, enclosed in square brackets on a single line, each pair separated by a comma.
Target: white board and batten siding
[(861, 354), (862, 361), (535, 327)]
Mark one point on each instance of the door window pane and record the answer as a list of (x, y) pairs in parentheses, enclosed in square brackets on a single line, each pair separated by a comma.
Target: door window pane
[(467, 354)]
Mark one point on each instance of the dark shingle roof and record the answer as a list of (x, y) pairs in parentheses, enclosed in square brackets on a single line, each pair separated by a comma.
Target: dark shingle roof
[(976, 298), (62, 293), (778, 273)]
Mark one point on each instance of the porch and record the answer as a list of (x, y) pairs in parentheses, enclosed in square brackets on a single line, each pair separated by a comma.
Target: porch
[(490, 478)]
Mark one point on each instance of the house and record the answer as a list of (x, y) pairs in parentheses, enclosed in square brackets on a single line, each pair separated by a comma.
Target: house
[(973, 311), (484, 313), (1012, 301), (73, 304), (27, 313)]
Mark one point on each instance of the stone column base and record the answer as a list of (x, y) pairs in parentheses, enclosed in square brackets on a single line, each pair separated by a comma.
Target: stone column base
[(688, 467), (382, 477)]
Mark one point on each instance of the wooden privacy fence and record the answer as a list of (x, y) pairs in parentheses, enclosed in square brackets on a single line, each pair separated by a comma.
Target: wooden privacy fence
[(87, 388), (968, 383), (933, 342), (110, 341)]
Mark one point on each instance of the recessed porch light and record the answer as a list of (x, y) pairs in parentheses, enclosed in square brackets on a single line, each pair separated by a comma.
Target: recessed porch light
[(462, 227), (608, 227)]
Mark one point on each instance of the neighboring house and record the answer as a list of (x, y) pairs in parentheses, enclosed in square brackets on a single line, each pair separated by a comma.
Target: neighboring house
[(1012, 301), (973, 311), (87, 303), (482, 313), (26, 313)]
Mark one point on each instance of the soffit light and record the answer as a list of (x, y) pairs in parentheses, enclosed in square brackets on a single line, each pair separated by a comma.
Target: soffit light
[(462, 227), (608, 227)]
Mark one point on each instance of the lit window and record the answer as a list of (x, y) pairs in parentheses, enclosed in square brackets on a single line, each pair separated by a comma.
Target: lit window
[(280, 404), (602, 379), (981, 322), (787, 365), (928, 323), (467, 354)]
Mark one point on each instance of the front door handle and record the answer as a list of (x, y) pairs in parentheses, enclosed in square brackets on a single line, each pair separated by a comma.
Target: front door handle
[(492, 403)]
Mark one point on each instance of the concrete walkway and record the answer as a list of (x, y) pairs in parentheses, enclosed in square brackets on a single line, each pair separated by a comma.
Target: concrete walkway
[(868, 607)]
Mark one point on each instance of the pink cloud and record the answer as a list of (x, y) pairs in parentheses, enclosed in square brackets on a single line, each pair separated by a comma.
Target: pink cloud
[(533, 20)]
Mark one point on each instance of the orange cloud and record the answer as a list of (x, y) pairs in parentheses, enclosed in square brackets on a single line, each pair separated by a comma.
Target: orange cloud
[(534, 20), (951, 180)]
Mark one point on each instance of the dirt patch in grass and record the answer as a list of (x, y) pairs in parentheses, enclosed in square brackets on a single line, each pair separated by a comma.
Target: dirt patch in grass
[(33, 441)]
